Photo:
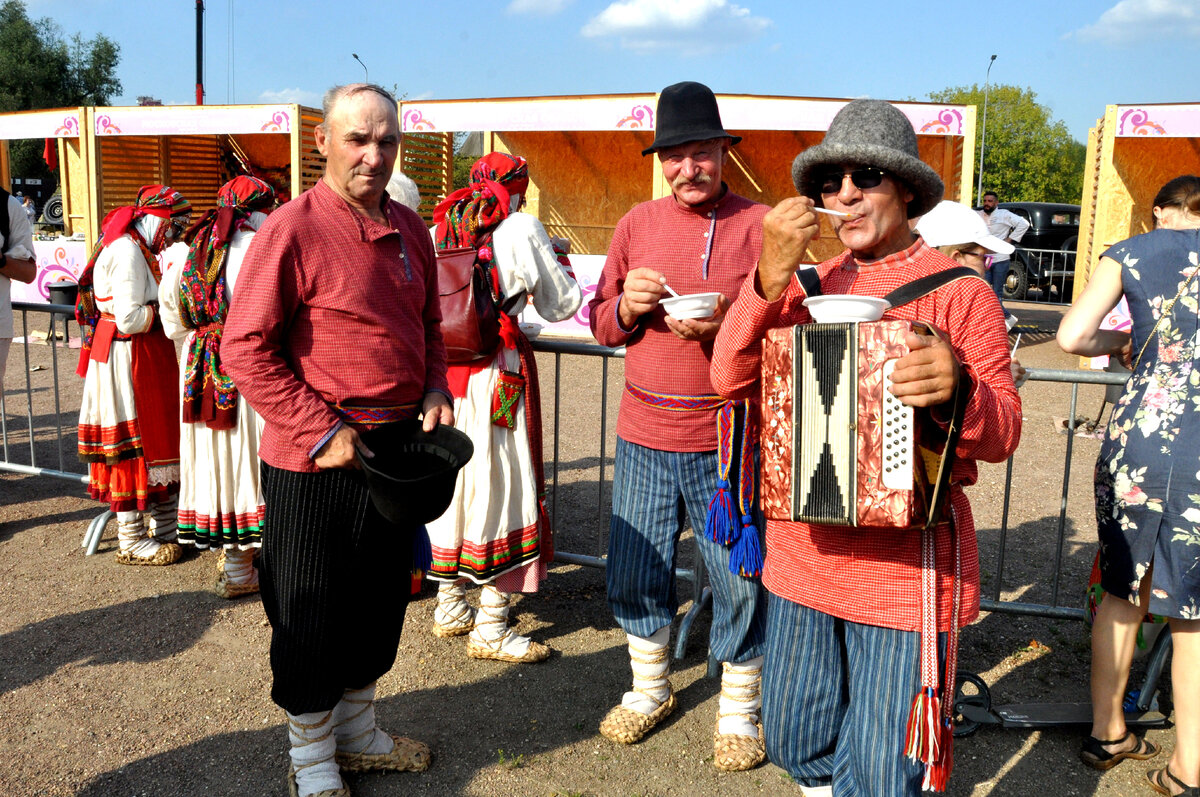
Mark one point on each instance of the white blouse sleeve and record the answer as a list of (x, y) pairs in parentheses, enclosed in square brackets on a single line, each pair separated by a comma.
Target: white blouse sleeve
[(527, 264), (169, 304), (129, 282)]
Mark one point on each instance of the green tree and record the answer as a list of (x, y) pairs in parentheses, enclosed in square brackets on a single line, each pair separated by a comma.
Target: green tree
[(39, 68), (1028, 157)]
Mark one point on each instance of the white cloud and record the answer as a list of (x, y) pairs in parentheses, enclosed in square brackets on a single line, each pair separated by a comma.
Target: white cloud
[(542, 7), (309, 98), (1144, 20), (692, 26)]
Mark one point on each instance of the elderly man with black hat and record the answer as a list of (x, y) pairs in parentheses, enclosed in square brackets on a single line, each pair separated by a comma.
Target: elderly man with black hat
[(702, 238), (862, 622)]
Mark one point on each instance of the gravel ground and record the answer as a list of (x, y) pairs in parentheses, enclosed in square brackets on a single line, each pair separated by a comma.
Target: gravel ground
[(138, 681)]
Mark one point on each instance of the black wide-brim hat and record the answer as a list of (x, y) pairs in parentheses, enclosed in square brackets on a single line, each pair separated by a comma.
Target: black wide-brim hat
[(871, 133), (687, 112), (411, 478)]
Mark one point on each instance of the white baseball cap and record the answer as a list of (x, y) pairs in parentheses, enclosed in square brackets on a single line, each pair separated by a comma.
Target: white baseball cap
[(950, 223)]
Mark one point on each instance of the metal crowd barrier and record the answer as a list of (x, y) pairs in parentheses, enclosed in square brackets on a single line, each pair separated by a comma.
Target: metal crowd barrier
[(596, 557), (1045, 276)]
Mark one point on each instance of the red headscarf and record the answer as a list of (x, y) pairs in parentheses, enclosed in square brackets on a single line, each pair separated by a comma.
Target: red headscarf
[(466, 217)]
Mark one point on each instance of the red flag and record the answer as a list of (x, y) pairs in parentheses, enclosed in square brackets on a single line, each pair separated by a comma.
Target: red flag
[(50, 154)]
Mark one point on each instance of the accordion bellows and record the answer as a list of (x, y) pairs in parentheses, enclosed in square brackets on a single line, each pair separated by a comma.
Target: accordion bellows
[(837, 447)]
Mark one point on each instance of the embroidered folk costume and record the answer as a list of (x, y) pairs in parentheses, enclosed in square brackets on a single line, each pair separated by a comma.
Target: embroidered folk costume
[(220, 498), (678, 441), (496, 532), (129, 416)]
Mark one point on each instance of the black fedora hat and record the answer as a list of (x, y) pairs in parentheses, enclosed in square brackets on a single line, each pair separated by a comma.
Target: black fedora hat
[(411, 478), (687, 112)]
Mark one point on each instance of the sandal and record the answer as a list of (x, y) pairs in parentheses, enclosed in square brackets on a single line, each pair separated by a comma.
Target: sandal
[(1095, 756), (1155, 777)]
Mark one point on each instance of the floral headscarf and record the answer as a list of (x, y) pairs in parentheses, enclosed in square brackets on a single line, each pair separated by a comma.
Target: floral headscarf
[(467, 217), (209, 395)]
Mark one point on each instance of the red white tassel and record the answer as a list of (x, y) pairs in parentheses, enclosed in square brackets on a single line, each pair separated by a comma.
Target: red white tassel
[(921, 736)]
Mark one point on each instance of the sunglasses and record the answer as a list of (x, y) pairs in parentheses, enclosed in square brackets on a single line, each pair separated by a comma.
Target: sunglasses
[(863, 178)]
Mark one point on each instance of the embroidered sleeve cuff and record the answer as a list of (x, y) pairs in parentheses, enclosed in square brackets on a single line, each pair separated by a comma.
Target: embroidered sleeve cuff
[(312, 454)]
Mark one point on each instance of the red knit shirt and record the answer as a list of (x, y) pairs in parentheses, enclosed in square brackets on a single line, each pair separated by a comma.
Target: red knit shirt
[(873, 575), (673, 240), (332, 308)]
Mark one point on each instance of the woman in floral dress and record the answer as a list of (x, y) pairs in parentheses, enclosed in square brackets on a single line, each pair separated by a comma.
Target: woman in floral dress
[(1148, 476)]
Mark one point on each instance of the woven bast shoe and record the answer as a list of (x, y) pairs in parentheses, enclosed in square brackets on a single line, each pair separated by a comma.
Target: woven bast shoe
[(293, 791), (224, 588), (406, 755), (494, 649), (734, 752), (626, 726), (167, 554)]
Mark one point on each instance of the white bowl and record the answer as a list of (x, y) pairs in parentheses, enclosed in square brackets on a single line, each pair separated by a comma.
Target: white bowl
[(842, 307), (692, 305)]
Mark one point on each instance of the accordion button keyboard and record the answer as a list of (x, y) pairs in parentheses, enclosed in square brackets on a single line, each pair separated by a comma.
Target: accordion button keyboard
[(897, 439)]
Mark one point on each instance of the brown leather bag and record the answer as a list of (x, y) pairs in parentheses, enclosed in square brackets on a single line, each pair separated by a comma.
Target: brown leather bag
[(470, 318)]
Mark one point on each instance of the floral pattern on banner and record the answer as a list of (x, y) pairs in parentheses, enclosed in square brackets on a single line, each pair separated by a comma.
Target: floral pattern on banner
[(1139, 124), (415, 121), (948, 122), (69, 127), (640, 116), (104, 126), (280, 122), (1148, 473)]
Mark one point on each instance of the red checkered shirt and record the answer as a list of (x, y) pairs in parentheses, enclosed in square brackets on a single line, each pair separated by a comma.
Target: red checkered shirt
[(332, 308), (873, 575), (673, 240)]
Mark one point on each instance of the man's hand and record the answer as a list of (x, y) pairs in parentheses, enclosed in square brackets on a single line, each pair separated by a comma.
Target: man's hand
[(700, 329), (928, 374), (787, 229), (338, 451), (643, 288), (436, 409)]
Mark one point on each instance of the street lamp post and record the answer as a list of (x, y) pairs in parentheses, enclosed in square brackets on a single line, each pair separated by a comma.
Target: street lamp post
[(983, 130), (367, 77)]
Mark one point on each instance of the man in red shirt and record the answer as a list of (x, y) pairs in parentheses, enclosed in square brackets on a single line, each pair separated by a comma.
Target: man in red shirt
[(335, 328), (702, 238), (853, 611)]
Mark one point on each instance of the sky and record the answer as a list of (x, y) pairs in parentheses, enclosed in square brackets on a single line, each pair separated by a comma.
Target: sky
[(1077, 55)]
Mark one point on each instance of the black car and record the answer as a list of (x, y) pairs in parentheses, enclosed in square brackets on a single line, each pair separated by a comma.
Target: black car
[(1045, 257)]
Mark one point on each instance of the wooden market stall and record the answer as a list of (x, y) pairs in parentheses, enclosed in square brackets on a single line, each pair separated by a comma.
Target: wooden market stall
[(1131, 152), (106, 154), (585, 162)]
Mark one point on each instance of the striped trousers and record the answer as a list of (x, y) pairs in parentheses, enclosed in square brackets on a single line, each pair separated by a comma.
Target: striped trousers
[(836, 698), (651, 490), (336, 580)]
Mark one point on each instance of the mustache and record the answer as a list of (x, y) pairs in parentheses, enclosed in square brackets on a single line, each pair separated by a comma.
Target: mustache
[(700, 179)]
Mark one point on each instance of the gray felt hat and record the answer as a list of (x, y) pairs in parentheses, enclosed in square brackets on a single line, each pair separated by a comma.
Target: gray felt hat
[(871, 133)]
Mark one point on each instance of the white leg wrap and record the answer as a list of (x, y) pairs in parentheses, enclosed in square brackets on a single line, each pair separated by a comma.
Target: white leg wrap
[(164, 520), (354, 723), (131, 535), (313, 746), (491, 622), (452, 609), (816, 791), (238, 566), (741, 698), (648, 658)]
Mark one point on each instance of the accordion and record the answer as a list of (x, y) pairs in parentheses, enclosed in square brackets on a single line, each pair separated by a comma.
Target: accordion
[(837, 447)]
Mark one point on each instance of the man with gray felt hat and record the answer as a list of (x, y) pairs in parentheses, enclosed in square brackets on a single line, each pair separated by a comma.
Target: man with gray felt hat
[(862, 622)]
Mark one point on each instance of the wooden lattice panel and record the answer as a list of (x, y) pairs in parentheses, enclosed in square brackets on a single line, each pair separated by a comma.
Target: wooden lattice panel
[(193, 168), (312, 162), (428, 160), (189, 164)]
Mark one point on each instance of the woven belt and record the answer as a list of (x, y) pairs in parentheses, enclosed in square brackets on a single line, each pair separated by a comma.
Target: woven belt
[(675, 403), (376, 416)]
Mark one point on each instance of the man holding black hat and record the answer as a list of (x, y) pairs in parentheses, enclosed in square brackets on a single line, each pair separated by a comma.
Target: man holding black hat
[(702, 238), (857, 616)]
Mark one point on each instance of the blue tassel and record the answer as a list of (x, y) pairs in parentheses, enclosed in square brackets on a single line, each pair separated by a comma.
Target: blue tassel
[(719, 526), (422, 550), (746, 557)]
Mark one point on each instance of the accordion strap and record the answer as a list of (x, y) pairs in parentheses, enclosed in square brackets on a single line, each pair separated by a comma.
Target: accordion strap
[(924, 286)]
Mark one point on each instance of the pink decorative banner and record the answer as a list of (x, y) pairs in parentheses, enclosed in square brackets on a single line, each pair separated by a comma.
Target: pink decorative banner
[(1171, 121), (177, 120)]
